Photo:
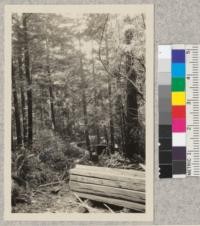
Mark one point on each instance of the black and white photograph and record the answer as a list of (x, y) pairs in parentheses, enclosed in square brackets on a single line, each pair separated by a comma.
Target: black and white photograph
[(79, 111)]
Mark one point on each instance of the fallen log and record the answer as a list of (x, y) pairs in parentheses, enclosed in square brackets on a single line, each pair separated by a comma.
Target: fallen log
[(137, 173), (120, 187), (113, 192), (137, 184), (118, 202)]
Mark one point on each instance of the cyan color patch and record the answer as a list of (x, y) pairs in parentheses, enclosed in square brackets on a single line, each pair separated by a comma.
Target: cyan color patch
[(178, 70)]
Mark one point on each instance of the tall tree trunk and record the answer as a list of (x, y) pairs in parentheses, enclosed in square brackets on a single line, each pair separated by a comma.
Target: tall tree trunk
[(29, 81), (84, 101), (111, 122), (95, 99), (42, 108), (68, 115), (68, 121), (23, 101), (52, 106), (87, 139), (105, 134), (112, 141), (16, 108), (51, 95), (132, 105), (120, 113), (73, 118), (103, 126)]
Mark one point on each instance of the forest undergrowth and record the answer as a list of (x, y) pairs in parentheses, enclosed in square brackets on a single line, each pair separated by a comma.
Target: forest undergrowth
[(43, 171)]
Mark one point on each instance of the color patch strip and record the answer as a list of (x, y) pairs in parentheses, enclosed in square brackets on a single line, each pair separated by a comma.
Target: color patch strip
[(178, 98), (179, 153), (178, 84), (179, 139), (178, 95), (178, 125), (165, 122), (178, 112), (178, 70), (178, 56)]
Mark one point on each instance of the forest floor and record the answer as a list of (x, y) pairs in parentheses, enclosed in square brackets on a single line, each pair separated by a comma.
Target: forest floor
[(49, 197), (43, 200), (46, 200)]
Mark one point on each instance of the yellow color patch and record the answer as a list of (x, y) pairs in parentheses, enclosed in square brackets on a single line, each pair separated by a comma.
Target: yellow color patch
[(178, 98)]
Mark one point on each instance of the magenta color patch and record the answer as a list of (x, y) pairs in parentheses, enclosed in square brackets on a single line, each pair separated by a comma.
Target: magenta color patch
[(178, 125)]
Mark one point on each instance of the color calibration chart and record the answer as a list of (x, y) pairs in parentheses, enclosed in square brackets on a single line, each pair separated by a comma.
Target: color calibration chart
[(179, 106)]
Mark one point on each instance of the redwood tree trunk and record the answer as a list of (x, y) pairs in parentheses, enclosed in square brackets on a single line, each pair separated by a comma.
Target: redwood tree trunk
[(52, 106), (51, 95), (87, 139), (111, 122), (16, 108), (120, 114), (132, 106), (29, 81), (23, 101), (95, 100), (112, 141), (84, 101)]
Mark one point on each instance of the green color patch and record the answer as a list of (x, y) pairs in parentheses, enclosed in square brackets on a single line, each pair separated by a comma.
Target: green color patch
[(178, 84)]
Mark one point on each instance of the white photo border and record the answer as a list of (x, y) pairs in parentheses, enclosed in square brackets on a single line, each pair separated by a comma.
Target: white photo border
[(148, 10)]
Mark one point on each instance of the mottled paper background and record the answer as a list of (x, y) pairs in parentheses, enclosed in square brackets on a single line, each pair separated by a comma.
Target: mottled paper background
[(177, 201)]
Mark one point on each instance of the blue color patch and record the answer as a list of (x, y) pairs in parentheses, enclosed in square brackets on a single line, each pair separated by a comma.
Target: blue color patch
[(178, 70), (178, 56)]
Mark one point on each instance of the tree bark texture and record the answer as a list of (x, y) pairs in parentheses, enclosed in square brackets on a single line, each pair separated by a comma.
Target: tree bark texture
[(111, 122), (132, 105), (29, 81), (95, 100), (84, 101), (16, 108), (23, 100)]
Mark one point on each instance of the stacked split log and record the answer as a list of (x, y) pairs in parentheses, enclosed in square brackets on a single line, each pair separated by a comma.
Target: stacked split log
[(119, 187)]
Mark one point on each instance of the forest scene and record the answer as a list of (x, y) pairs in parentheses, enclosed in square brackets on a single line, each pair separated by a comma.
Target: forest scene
[(78, 103)]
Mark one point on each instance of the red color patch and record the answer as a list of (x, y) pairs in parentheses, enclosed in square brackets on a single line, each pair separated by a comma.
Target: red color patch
[(178, 112)]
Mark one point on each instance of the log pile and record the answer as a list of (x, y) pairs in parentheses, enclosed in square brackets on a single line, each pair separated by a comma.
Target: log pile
[(119, 187)]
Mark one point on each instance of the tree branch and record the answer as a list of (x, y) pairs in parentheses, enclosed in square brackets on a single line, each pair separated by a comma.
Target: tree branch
[(107, 70)]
